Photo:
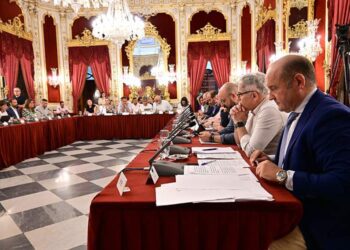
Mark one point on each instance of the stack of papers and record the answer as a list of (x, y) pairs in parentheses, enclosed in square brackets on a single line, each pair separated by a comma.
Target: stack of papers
[(213, 181), (216, 153)]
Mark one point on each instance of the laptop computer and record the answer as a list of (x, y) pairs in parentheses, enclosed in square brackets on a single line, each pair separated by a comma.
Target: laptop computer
[(5, 118)]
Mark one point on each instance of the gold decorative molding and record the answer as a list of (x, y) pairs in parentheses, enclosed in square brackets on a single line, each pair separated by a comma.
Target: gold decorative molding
[(147, 76), (264, 15), (299, 4), (86, 39), (209, 33), (150, 31), (16, 27), (298, 30)]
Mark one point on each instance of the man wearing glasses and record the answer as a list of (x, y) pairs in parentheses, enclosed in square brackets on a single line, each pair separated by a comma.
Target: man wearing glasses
[(258, 122)]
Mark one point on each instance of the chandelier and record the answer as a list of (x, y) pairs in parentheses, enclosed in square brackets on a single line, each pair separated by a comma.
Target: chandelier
[(129, 79), (118, 24), (310, 46), (77, 4), (54, 79)]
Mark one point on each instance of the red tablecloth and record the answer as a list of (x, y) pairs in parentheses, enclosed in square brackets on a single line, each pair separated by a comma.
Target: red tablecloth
[(20, 142), (120, 127), (134, 222)]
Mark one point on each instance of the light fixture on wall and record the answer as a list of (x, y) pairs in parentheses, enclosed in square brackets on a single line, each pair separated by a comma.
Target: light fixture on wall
[(77, 4), (54, 79), (118, 24), (310, 46), (172, 73), (280, 52)]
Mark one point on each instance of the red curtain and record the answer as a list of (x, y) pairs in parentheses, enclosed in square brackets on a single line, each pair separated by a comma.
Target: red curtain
[(101, 70), (196, 68), (218, 53), (265, 47), (220, 62), (338, 11), (13, 50), (11, 73), (78, 82), (27, 70), (79, 59)]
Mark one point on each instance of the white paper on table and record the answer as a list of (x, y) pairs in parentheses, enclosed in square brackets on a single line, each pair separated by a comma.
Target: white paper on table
[(170, 196), (232, 163), (234, 155), (208, 150), (216, 181), (213, 169)]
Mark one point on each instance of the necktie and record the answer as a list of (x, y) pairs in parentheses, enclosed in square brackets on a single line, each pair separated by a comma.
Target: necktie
[(291, 118)]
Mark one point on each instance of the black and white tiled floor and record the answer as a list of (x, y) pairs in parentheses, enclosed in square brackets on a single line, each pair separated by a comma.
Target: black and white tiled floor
[(44, 201)]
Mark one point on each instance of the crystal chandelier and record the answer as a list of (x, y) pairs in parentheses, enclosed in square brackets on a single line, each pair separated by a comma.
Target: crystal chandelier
[(118, 24), (130, 79), (54, 79), (310, 46), (77, 4)]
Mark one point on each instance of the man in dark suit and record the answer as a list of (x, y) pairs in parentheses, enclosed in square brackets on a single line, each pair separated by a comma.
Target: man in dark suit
[(17, 94), (313, 157), (13, 111)]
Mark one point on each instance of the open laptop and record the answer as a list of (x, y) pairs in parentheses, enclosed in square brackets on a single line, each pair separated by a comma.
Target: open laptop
[(5, 118)]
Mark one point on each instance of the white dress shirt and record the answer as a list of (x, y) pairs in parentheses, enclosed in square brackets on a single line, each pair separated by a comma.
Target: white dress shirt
[(264, 127), (126, 109), (164, 106), (60, 110), (146, 108), (299, 109), (135, 108), (42, 112)]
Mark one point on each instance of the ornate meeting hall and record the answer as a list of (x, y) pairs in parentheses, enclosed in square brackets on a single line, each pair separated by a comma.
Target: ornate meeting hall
[(174, 124)]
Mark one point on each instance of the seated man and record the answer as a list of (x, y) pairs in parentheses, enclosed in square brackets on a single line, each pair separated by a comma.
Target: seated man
[(124, 106), (61, 109), (313, 158), (42, 111), (135, 105), (213, 107), (160, 105), (13, 111), (17, 94), (228, 97), (258, 121), (145, 106)]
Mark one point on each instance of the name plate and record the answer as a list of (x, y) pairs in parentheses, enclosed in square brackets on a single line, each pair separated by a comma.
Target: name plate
[(154, 175), (121, 184)]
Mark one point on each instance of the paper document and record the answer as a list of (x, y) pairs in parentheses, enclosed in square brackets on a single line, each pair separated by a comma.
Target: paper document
[(212, 150), (234, 155), (234, 163)]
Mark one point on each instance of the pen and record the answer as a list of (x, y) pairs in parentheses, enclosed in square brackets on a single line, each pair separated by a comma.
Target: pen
[(209, 149), (206, 163)]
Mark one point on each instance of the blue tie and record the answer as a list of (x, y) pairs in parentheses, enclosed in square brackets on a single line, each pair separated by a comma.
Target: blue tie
[(291, 118)]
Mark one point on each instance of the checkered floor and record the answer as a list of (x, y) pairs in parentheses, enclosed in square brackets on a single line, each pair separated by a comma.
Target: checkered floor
[(44, 201)]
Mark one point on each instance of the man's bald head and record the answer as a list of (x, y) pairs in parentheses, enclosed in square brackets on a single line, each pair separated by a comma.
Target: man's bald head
[(228, 94), (293, 64)]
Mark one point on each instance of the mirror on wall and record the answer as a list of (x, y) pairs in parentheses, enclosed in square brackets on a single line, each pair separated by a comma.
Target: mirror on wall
[(297, 12)]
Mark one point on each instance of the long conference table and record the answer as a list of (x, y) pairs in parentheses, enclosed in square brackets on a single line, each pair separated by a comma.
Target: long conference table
[(24, 141), (133, 221)]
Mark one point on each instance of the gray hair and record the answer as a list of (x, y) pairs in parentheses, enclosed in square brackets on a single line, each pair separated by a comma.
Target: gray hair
[(254, 81)]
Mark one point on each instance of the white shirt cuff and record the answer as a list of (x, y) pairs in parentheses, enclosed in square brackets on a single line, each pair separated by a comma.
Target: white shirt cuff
[(289, 181)]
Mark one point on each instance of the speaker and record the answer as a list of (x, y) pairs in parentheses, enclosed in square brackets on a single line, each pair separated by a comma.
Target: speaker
[(181, 140), (173, 150)]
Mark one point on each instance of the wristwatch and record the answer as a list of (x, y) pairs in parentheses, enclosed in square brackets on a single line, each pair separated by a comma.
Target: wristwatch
[(281, 176), (239, 124)]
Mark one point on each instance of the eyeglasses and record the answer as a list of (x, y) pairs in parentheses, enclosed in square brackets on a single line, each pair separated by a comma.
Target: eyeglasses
[(239, 94)]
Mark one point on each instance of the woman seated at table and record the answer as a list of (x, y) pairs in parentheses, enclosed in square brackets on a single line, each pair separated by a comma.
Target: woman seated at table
[(90, 108), (145, 106), (182, 105), (3, 108), (28, 112)]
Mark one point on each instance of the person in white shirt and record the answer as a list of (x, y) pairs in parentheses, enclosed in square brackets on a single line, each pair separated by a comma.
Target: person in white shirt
[(135, 106), (62, 109), (145, 106), (42, 111), (3, 108), (182, 105), (102, 99), (124, 106), (258, 122), (160, 105)]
